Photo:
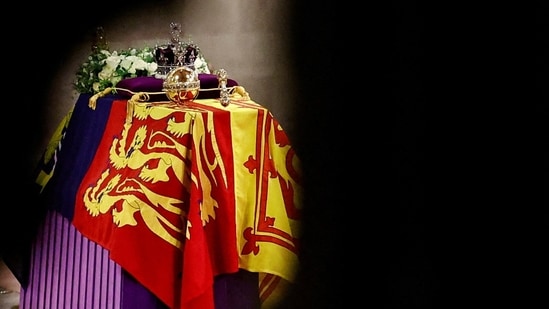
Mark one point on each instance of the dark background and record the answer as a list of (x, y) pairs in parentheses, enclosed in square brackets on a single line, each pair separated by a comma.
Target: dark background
[(423, 130)]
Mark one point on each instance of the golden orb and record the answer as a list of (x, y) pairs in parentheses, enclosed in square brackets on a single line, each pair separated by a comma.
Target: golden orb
[(181, 85)]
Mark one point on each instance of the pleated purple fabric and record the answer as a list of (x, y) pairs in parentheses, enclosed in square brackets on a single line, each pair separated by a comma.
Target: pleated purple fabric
[(69, 271)]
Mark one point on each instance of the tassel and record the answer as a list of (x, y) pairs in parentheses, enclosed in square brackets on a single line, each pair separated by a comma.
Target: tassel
[(92, 103), (138, 97), (241, 91)]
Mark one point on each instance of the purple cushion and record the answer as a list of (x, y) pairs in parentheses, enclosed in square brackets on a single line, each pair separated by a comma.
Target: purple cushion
[(153, 84)]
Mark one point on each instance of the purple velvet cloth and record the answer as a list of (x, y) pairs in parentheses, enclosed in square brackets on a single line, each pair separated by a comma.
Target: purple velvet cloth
[(239, 290), (137, 296), (153, 84)]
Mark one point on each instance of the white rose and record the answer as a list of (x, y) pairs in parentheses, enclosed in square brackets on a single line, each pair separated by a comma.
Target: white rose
[(139, 64), (95, 87), (126, 64), (106, 73), (112, 62), (151, 67)]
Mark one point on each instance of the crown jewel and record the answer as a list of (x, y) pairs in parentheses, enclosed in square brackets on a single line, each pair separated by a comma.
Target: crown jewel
[(176, 53)]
